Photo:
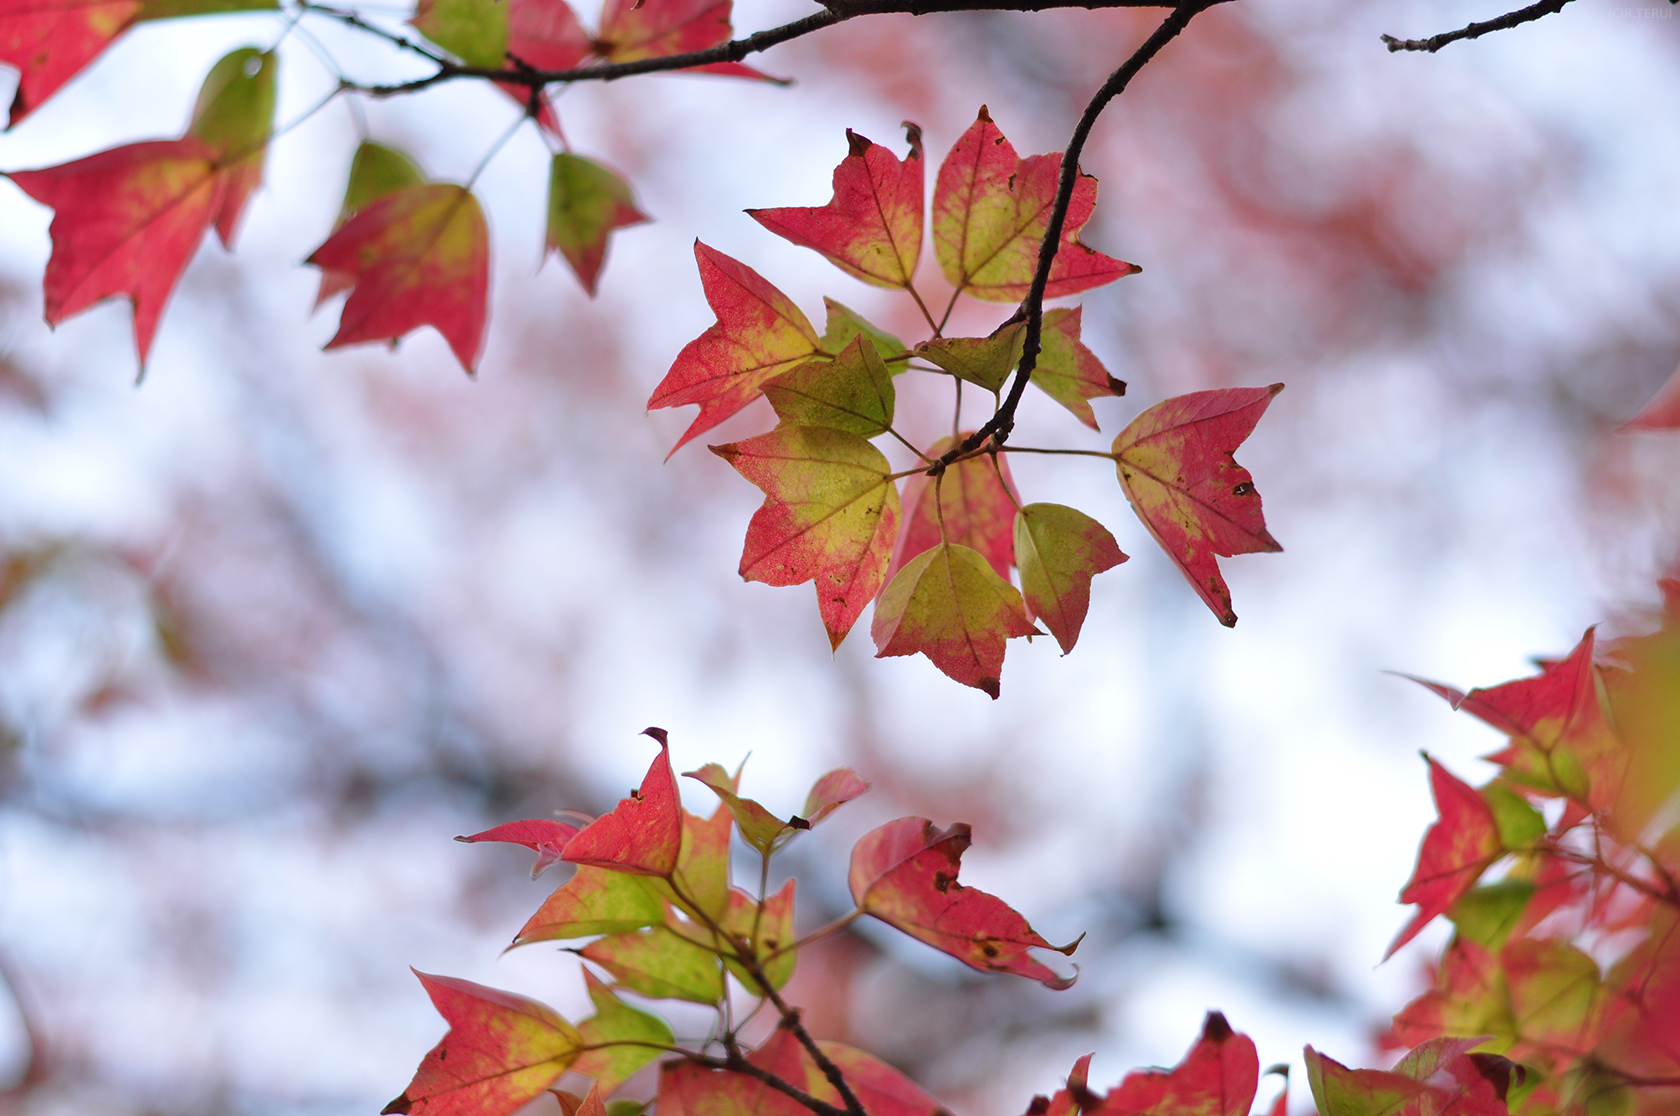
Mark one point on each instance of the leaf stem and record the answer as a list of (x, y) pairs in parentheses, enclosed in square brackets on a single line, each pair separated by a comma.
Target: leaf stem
[(1069, 452), (817, 935), (922, 306), (494, 148)]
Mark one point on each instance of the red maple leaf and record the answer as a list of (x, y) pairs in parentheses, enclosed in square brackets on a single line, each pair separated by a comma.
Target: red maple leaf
[(1456, 850)]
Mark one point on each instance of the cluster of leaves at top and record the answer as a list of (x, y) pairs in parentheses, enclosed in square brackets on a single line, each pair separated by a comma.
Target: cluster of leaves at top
[(410, 251), (936, 558)]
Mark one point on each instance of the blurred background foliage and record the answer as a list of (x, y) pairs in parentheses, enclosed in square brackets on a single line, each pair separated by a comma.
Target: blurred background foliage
[(277, 625)]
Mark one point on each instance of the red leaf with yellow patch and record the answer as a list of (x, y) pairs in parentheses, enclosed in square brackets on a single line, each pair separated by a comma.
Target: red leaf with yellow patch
[(1177, 467), (991, 211), (1059, 550), (51, 41), (635, 29), (905, 874), (419, 256), (830, 515), (1218, 1077), (1456, 850), (872, 228), (643, 834), (759, 335), (501, 1051), (950, 605)]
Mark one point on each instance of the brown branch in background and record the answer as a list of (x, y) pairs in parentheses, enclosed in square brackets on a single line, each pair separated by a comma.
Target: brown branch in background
[(1477, 30), (997, 427)]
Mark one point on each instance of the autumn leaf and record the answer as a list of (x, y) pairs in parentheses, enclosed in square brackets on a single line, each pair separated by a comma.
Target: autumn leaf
[(376, 172), (420, 256), (1059, 550), (586, 202), (614, 1031), (235, 116), (1177, 468), (872, 228), (844, 324), (1218, 1077), (769, 929), (1488, 913), (1469, 998), (1662, 412), (594, 901), (127, 221), (830, 514), (475, 31), (51, 41), (830, 792), (1340, 1091), (991, 210), (759, 335), (1456, 850), (972, 504), (501, 1051), (545, 35), (635, 29), (1460, 1083), (1555, 993), (905, 874), (543, 836), (643, 834), (879, 1088), (949, 604), (983, 361), (699, 884), (1067, 371), (759, 827), (661, 963), (853, 392)]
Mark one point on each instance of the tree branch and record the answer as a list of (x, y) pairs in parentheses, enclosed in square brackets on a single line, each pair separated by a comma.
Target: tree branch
[(997, 427), (1477, 30), (736, 1062), (837, 11)]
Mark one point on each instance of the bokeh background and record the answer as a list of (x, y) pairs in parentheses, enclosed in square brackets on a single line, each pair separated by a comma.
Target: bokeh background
[(276, 625)]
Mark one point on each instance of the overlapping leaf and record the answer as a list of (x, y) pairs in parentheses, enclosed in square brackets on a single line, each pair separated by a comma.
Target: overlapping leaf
[(1437, 1078), (853, 392), (1067, 371), (475, 31), (635, 29), (905, 874), (844, 324), (972, 504), (659, 962), (501, 1051), (1177, 468), (594, 901), (1218, 1077), (643, 834), (759, 335), (127, 221), (586, 202), (759, 827), (1456, 850), (770, 929), (543, 836), (949, 604), (991, 210), (617, 1032), (830, 515), (376, 172), (1059, 551), (872, 228), (983, 361), (419, 256)]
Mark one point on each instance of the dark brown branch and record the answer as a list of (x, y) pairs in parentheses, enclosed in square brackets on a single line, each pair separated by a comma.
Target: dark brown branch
[(998, 427), (838, 11), (1477, 30), (736, 1062)]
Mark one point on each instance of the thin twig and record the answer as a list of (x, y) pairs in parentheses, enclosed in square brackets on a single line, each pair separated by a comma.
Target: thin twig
[(998, 427), (1477, 30), (351, 19)]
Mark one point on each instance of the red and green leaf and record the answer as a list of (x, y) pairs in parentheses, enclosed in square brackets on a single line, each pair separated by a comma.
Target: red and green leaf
[(1177, 467), (830, 515), (635, 29), (1340, 1091), (376, 172), (661, 963), (586, 202), (419, 256), (759, 827), (643, 834), (830, 792), (759, 335), (1067, 371), (844, 324), (1456, 850), (905, 874), (972, 504), (617, 1040), (991, 211), (501, 1051), (853, 392), (872, 228), (770, 929), (949, 604), (1059, 551), (594, 901), (1218, 1077)]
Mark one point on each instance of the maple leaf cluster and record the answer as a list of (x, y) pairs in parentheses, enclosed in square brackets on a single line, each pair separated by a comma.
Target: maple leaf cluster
[(410, 252), (935, 559), (1561, 878)]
